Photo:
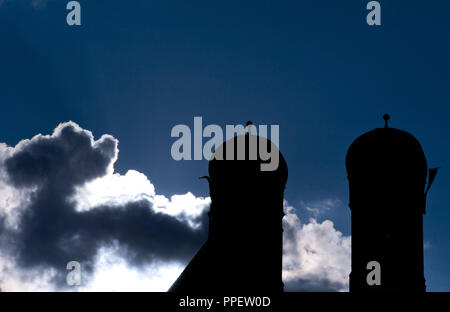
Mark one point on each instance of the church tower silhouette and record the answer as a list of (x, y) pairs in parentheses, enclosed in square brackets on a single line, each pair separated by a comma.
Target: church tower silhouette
[(245, 242), (387, 172)]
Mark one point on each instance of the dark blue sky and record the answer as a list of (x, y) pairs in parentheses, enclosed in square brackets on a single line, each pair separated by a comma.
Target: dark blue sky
[(136, 69)]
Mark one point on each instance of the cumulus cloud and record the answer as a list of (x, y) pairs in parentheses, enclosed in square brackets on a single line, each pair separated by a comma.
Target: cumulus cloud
[(74, 207), (115, 274), (316, 257), (116, 190), (61, 201)]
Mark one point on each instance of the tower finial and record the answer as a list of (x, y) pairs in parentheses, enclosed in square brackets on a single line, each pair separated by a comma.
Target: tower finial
[(248, 124), (386, 117)]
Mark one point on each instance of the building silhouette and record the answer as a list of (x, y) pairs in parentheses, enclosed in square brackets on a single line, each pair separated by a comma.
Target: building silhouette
[(243, 251), (387, 172)]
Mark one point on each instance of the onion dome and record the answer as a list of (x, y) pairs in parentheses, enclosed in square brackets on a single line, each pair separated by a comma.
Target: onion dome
[(248, 158), (386, 151)]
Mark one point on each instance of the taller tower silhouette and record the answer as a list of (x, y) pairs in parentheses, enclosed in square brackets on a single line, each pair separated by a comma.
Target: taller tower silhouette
[(387, 173), (244, 247)]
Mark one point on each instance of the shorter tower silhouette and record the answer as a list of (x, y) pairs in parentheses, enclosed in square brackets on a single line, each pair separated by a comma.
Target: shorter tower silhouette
[(387, 173), (244, 247)]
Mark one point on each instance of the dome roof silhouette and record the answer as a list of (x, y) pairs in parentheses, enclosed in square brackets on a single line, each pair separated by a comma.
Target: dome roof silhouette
[(386, 150), (247, 162)]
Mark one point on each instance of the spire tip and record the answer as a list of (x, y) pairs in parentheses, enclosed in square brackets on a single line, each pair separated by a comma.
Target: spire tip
[(386, 118)]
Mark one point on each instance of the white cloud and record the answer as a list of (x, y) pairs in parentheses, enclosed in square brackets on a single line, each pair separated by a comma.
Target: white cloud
[(111, 190), (113, 273), (12, 200), (116, 190), (320, 207), (14, 279), (315, 252)]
